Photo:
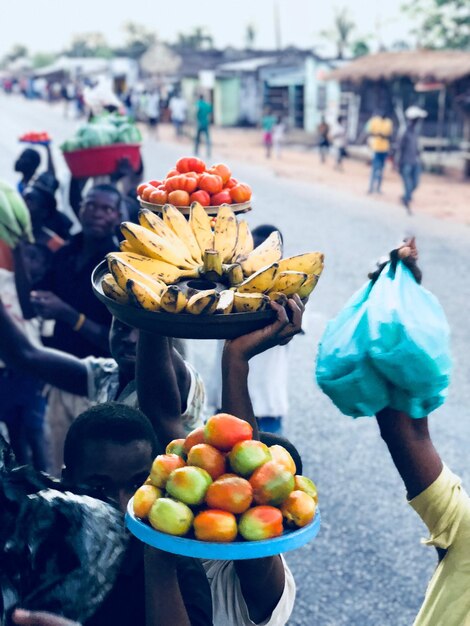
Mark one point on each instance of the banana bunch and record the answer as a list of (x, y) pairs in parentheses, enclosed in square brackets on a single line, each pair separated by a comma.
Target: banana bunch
[(170, 264), (15, 221)]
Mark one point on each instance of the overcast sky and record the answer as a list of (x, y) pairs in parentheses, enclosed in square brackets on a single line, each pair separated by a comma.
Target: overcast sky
[(48, 25)]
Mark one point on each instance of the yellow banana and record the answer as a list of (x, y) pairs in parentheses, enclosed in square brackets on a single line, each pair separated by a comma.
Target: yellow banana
[(234, 273), (225, 233), (176, 221), (126, 246), (202, 302), (270, 251), (158, 270), (249, 302), (244, 241), (173, 299), (277, 296), (212, 265), (151, 245), (309, 263), (112, 289), (123, 271), (142, 296), (261, 281), (225, 304), (154, 223), (308, 286), (200, 224), (289, 282)]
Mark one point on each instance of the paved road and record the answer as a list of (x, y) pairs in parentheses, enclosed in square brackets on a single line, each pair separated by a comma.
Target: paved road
[(367, 567)]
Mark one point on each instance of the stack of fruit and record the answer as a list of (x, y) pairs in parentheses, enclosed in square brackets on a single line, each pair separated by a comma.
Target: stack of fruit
[(220, 483), (35, 137), (174, 265), (15, 220), (104, 130), (191, 181)]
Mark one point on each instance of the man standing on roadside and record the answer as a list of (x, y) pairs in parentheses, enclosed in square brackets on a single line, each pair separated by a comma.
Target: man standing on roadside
[(203, 120), (379, 129), (409, 164)]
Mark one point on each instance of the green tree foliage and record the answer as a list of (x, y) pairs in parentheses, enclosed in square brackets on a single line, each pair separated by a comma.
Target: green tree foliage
[(138, 40), (340, 32), (360, 48), (18, 51), (89, 45), (198, 39), (442, 23)]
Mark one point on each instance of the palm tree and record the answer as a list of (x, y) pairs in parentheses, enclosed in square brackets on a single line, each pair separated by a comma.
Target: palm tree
[(340, 33)]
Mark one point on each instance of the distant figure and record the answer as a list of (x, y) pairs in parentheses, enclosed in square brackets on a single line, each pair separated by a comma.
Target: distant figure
[(379, 129), (267, 123), (340, 141), (203, 120), (323, 134), (409, 163), (26, 165), (152, 110), (178, 110), (279, 129)]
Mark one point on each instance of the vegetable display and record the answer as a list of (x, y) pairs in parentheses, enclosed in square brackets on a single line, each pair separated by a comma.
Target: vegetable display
[(15, 219), (104, 130)]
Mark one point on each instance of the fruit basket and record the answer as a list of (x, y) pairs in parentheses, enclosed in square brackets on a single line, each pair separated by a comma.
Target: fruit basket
[(184, 326), (241, 207), (184, 546), (41, 139), (101, 160)]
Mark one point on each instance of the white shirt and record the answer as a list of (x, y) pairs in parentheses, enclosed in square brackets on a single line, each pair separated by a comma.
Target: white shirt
[(178, 109), (152, 105)]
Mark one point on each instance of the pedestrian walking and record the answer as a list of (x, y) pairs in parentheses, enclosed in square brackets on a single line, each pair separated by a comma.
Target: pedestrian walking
[(340, 141), (323, 135), (152, 110), (203, 120), (409, 164), (379, 129), (267, 123), (178, 111), (279, 130)]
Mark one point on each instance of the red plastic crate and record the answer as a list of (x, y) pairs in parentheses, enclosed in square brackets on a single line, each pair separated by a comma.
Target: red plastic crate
[(101, 160)]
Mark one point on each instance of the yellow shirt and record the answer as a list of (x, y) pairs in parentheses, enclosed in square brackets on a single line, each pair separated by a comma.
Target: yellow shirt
[(380, 129), (445, 509)]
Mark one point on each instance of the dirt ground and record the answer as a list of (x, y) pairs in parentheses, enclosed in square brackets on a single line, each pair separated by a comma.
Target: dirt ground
[(438, 196)]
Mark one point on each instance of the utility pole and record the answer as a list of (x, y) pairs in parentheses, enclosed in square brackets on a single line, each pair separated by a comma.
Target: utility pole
[(277, 25)]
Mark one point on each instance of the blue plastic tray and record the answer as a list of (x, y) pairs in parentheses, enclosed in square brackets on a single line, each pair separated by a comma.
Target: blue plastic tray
[(290, 540)]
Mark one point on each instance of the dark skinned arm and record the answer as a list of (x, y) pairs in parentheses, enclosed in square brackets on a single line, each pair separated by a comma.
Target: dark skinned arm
[(50, 162), (262, 580), (23, 283), (54, 367)]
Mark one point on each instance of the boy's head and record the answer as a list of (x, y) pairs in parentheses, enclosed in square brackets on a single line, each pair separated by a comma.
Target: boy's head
[(262, 232), (28, 162), (100, 213), (123, 346), (37, 259), (109, 451)]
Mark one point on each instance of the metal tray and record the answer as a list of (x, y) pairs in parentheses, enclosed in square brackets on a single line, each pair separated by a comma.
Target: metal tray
[(182, 325), (242, 207), (237, 550)]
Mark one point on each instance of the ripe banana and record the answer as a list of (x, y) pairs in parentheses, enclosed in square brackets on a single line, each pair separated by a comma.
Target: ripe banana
[(225, 304), (123, 271), (126, 246), (244, 241), (277, 296), (233, 273), (15, 221), (289, 282), (270, 251), (249, 302), (212, 265), (200, 224), (309, 263), (225, 233), (112, 289), (149, 219), (202, 302), (261, 281), (308, 286), (142, 296), (173, 299), (178, 224), (158, 270), (152, 245)]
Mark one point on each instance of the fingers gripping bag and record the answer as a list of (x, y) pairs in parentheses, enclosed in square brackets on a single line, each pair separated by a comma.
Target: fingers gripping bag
[(344, 370), (409, 341)]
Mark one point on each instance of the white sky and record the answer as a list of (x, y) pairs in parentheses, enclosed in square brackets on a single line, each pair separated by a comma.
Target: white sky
[(48, 25)]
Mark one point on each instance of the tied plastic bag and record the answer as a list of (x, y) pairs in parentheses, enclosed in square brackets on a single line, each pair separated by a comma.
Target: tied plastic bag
[(344, 370), (409, 341)]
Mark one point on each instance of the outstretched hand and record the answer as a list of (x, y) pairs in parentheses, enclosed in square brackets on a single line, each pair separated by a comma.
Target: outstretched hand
[(407, 252), (40, 618)]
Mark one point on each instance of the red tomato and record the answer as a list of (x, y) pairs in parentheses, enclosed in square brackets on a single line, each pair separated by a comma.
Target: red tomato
[(240, 193), (212, 183), (221, 170), (159, 196), (179, 198), (172, 173), (140, 189), (155, 183), (202, 197), (223, 197), (181, 182), (231, 183), (190, 164), (147, 191)]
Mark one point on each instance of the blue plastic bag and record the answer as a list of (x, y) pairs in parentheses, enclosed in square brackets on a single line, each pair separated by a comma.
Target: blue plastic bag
[(344, 370)]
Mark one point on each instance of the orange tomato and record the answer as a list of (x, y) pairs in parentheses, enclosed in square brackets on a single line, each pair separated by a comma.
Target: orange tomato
[(171, 173), (159, 196), (223, 197), (212, 183), (240, 193), (221, 170), (231, 183), (155, 183), (147, 191), (194, 437), (201, 196), (179, 197), (209, 458), (181, 183), (230, 493), (140, 188), (214, 525), (190, 164)]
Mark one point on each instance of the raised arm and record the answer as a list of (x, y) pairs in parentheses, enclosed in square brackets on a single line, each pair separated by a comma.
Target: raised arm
[(56, 368)]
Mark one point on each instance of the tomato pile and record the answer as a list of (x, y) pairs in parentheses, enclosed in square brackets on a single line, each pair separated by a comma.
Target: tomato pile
[(35, 137), (191, 181)]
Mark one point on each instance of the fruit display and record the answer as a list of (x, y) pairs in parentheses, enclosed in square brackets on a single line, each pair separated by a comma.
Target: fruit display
[(15, 220), (35, 137), (103, 130), (181, 266), (192, 181), (220, 485)]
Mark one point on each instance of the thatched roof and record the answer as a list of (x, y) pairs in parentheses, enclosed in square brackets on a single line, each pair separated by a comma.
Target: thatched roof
[(445, 66)]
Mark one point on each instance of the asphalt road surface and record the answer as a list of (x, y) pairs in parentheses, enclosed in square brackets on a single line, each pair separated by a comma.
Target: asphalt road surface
[(367, 567)]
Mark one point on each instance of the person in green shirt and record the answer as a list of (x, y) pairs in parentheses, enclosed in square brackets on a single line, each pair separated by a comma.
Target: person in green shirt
[(267, 123), (203, 120)]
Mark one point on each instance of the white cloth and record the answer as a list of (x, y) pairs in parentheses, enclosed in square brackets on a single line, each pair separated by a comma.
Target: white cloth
[(152, 105), (178, 109), (229, 604), (339, 136)]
